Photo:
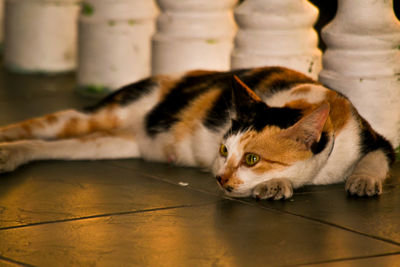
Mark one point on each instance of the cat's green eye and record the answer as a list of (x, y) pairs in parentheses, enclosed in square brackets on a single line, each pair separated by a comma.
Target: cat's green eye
[(223, 151), (251, 159)]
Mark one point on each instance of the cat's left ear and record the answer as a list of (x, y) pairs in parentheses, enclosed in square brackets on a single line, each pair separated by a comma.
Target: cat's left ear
[(244, 99), (308, 130)]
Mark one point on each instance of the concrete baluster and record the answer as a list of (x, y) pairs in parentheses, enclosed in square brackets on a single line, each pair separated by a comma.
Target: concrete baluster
[(363, 61), (193, 34), (40, 35), (114, 43), (277, 32), (1, 21)]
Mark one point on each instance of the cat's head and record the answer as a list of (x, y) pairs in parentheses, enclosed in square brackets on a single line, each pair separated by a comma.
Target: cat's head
[(266, 142)]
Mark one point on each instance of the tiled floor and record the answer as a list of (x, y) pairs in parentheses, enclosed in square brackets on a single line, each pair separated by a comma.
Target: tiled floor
[(131, 212)]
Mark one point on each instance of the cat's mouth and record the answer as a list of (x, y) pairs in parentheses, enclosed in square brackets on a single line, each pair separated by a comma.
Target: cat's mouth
[(234, 192), (231, 191)]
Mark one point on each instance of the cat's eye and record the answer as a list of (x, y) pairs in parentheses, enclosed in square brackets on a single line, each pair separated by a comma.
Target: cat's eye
[(223, 151), (251, 159)]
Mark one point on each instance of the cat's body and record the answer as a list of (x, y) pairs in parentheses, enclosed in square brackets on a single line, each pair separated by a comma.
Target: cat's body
[(304, 134)]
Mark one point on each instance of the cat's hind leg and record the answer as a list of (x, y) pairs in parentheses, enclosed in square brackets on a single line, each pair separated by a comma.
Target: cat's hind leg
[(368, 175), (101, 145), (63, 124)]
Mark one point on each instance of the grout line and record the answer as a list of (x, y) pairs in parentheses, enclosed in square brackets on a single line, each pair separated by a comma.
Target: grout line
[(346, 259), (22, 264), (100, 216)]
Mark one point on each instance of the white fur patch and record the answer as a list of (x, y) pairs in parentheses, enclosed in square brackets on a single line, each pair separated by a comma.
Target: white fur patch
[(316, 95), (343, 157)]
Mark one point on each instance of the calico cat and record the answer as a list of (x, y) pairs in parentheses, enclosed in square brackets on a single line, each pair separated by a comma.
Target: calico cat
[(285, 132)]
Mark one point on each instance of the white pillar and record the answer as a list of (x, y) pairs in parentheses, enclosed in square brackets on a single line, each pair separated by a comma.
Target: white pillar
[(1, 21), (40, 35), (363, 61), (114, 43), (277, 32), (193, 34)]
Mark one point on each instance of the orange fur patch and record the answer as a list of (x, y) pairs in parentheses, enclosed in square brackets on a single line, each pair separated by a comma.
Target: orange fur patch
[(51, 119), (22, 130), (166, 84), (275, 152), (194, 73), (104, 120), (287, 75), (27, 127), (307, 108), (341, 110), (73, 127), (190, 117), (234, 182), (301, 90), (229, 177)]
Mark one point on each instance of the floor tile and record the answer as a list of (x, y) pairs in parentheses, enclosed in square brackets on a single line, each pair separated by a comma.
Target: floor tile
[(381, 261), (227, 233), (48, 191), (377, 216), (10, 263), (192, 177)]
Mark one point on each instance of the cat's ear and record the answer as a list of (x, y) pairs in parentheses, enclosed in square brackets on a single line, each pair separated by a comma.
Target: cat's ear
[(307, 131), (243, 98)]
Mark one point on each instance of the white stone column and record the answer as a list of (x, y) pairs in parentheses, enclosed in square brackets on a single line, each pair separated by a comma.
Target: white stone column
[(193, 34), (363, 61), (40, 35), (114, 43), (1, 21), (277, 32)]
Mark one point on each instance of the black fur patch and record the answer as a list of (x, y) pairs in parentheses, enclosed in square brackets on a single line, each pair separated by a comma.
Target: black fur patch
[(261, 116), (253, 80), (126, 95), (371, 141), (284, 79), (218, 115), (318, 147), (277, 78), (165, 114)]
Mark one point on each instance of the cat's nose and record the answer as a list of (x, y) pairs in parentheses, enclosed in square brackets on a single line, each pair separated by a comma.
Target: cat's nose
[(222, 181)]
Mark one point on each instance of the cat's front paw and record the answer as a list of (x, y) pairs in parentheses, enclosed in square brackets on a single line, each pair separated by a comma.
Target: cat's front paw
[(363, 185), (274, 189)]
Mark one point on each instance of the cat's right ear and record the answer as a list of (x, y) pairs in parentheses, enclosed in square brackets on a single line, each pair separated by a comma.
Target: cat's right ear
[(244, 98), (308, 130)]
